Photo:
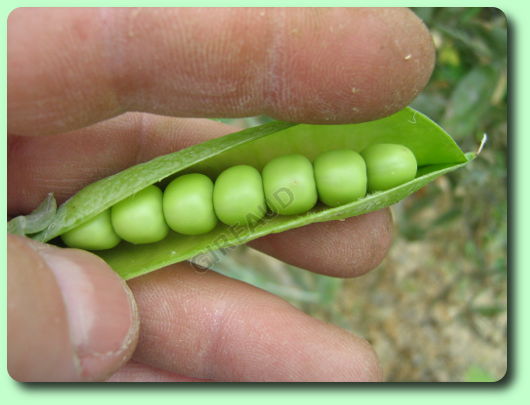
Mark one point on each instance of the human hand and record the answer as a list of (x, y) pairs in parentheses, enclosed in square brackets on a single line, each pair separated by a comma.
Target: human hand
[(74, 73)]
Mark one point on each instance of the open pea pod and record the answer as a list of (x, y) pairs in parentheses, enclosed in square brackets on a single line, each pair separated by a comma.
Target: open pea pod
[(435, 152)]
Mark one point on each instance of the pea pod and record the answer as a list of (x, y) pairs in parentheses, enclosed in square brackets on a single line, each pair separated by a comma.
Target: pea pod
[(434, 150)]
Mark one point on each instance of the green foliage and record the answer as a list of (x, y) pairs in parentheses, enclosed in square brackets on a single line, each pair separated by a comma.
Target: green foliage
[(477, 374), (468, 95)]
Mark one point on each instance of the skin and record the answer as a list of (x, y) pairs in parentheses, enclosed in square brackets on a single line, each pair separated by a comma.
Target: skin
[(340, 176), (289, 185), (238, 197), (388, 166), (139, 219), (82, 80)]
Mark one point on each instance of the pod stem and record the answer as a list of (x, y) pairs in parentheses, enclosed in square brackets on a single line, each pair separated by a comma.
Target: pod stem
[(482, 143), (35, 222)]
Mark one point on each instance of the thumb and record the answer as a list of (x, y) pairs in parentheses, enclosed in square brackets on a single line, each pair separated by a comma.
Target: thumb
[(70, 317)]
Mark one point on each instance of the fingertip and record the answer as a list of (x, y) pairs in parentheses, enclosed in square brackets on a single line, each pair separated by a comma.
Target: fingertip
[(71, 318), (346, 248), (240, 333), (363, 64), (369, 369), (101, 311)]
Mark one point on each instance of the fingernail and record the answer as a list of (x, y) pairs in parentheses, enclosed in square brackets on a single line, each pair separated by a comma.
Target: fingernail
[(102, 314)]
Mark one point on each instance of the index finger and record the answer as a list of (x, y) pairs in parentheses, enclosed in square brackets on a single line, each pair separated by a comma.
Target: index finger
[(68, 68)]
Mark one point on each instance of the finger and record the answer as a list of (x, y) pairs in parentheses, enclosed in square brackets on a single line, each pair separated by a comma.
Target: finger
[(347, 248), (70, 67), (204, 325), (138, 372), (70, 317), (65, 163)]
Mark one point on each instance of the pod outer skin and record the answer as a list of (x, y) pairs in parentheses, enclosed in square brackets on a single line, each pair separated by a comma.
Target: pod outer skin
[(188, 204), (289, 185), (340, 177), (139, 218), (238, 197), (388, 166), (95, 234)]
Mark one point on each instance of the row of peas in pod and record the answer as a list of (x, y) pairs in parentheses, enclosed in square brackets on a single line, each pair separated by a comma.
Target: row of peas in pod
[(193, 204)]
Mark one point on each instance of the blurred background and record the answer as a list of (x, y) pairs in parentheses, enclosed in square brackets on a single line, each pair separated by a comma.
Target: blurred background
[(436, 308)]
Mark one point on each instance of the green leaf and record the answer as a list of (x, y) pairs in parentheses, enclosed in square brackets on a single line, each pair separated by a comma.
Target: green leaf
[(473, 43), (470, 100), (435, 151), (35, 222), (478, 374), (446, 217), (490, 310)]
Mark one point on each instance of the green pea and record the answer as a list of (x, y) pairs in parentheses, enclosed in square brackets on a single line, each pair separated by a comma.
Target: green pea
[(289, 185), (389, 165), (238, 197), (188, 204), (139, 219), (340, 176), (95, 234)]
